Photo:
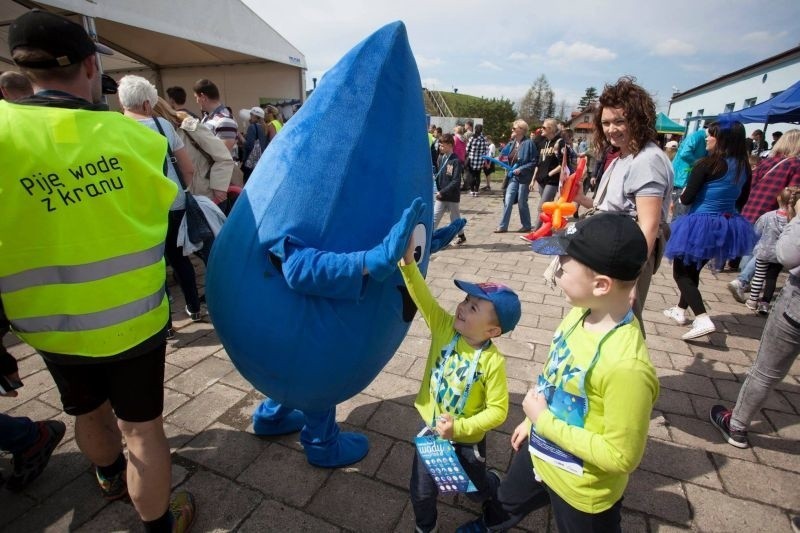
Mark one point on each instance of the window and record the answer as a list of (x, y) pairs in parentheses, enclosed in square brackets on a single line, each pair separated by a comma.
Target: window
[(700, 112), (773, 95), (689, 114), (729, 107), (750, 102)]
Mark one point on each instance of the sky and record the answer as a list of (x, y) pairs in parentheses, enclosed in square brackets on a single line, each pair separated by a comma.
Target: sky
[(498, 48)]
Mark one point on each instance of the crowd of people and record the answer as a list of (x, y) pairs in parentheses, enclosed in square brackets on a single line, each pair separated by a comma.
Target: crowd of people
[(587, 418)]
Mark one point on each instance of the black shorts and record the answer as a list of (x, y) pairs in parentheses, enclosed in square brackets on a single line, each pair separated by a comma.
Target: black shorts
[(134, 386)]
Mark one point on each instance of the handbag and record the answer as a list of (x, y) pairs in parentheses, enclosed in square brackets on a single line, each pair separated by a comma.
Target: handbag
[(255, 153), (197, 227)]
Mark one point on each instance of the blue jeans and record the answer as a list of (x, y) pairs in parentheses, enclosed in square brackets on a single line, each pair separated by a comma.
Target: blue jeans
[(748, 269), (520, 192), (780, 346), (17, 433)]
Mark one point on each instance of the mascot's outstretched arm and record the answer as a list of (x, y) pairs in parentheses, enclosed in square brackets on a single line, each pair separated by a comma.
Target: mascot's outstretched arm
[(341, 275), (443, 236)]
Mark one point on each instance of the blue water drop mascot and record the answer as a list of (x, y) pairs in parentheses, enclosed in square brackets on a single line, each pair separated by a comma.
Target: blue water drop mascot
[(302, 282)]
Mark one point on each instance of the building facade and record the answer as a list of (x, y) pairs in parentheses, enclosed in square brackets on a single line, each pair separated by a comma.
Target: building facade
[(741, 89)]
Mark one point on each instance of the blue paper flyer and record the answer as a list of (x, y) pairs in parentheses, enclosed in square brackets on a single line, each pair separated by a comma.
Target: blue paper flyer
[(442, 463)]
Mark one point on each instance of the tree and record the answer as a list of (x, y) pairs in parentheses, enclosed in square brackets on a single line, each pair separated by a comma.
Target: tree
[(497, 115), (589, 98), (537, 104), (562, 115)]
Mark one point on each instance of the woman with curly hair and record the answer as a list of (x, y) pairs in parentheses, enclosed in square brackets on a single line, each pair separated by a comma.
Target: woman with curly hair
[(638, 183), (718, 187)]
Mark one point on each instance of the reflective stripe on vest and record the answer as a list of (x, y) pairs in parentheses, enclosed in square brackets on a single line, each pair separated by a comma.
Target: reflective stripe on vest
[(81, 273), (100, 319), (85, 209)]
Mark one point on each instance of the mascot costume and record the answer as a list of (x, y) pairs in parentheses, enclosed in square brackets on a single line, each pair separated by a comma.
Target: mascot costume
[(302, 284)]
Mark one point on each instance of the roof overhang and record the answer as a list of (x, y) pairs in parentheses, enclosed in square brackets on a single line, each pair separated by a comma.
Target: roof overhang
[(155, 34)]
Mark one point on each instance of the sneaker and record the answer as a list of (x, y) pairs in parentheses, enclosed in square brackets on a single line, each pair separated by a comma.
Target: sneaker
[(30, 463), (524, 230), (721, 418), (183, 511), (500, 230), (114, 487), (527, 238), (170, 334), (700, 326), (196, 317), (763, 308), (737, 291), (751, 305), (677, 314), (461, 240), (796, 524)]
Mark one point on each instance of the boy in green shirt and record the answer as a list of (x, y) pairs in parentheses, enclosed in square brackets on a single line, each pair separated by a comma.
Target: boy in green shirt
[(588, 416), (464, 392)]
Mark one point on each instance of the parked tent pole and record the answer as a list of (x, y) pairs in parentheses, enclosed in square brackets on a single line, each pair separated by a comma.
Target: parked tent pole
[(88, 25)]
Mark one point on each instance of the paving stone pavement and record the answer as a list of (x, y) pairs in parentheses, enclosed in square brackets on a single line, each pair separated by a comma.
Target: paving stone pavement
[(689, 478)]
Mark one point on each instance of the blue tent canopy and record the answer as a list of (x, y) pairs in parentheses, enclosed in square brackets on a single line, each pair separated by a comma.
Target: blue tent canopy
[(782, 108)]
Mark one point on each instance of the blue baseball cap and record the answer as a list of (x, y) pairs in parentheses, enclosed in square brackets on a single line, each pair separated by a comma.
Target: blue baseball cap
[(505, 301)]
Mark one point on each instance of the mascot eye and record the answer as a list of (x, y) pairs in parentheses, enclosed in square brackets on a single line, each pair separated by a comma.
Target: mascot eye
[(420, 239)]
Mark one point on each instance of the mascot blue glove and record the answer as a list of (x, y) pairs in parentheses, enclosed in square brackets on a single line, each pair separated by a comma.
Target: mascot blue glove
[(382, 260), (302, 284)]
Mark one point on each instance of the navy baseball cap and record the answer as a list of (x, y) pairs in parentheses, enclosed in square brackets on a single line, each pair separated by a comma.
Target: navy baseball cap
[(66, 41), (611, 244), (505, 301)]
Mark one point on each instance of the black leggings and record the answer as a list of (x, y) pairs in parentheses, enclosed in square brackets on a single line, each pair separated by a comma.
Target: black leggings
[(181, 265), (687, 277)]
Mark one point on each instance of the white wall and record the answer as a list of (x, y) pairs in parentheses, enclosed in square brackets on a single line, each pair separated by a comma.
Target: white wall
[(448, 123), (240, 86), (753, 84)]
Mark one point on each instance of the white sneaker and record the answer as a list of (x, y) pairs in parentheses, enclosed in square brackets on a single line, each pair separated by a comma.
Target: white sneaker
[(737, 291), (677, 314), (700, 326)]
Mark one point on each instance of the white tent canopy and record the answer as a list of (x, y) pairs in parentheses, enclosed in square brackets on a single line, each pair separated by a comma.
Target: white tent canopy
[(180, 41)]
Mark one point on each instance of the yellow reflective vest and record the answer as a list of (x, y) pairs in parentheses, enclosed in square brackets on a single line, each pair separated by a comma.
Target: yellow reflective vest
[(84, 206)]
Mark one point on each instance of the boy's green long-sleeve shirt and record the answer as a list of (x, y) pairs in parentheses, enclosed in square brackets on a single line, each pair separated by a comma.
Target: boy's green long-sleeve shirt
[(487, 405), (621, 389)]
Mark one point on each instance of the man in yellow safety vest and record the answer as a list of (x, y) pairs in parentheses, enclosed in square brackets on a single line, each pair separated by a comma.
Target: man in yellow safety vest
[(82, 273)]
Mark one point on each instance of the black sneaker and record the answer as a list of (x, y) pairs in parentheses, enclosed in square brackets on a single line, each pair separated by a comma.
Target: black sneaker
[(721, 418), (461, 239), (114, 487), (195, 317), (29, 463)]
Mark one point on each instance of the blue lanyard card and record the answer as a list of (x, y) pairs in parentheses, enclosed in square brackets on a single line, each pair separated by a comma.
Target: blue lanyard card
[(442, 463)]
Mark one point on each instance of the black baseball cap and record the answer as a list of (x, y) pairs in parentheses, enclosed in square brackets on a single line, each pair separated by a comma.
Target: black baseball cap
[(66, 41), (609, 243)]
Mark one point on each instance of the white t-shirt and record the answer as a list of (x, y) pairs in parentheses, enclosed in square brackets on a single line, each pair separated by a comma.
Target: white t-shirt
[(648, 173)]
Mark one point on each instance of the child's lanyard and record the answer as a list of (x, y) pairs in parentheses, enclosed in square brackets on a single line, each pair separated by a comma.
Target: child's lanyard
[(473, 367), (555, 369), (443, 165)]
